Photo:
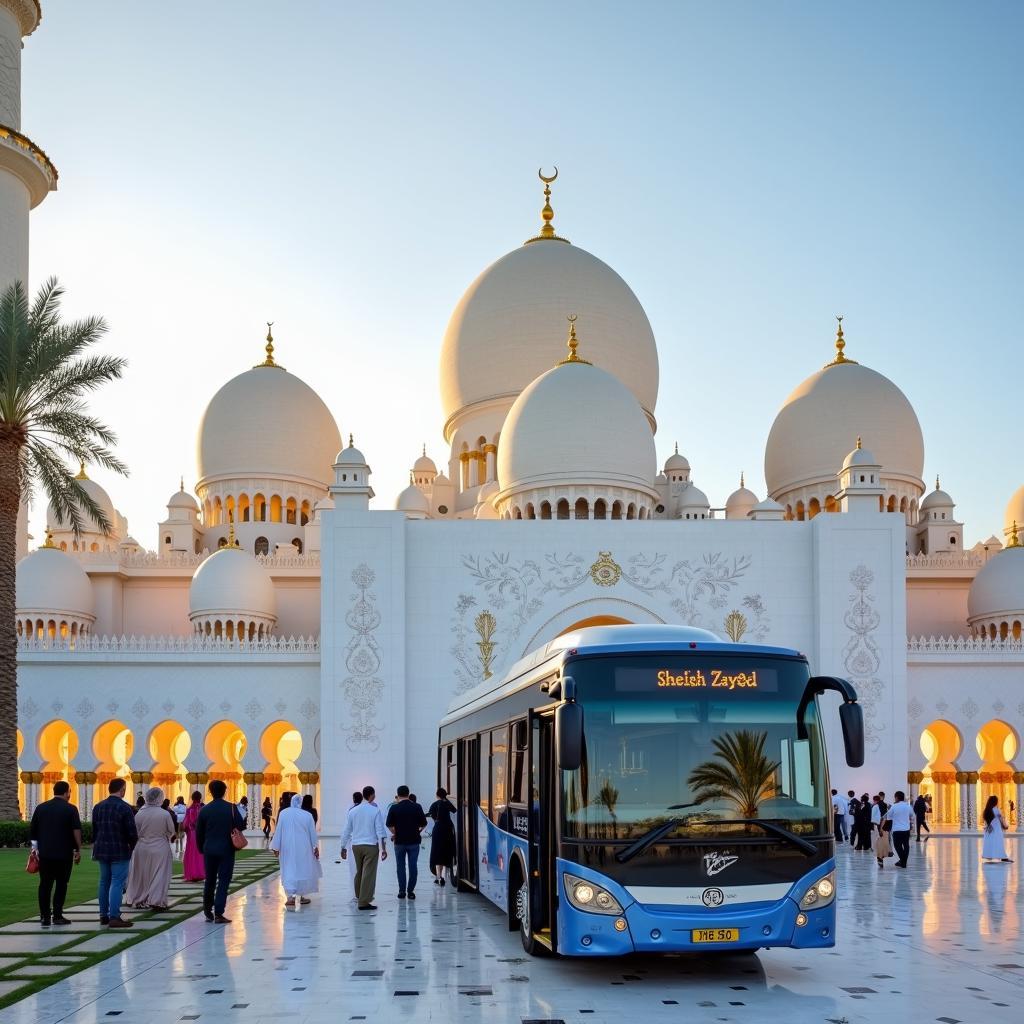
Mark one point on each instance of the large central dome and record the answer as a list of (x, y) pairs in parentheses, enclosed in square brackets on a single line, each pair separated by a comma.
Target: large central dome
[(499, 337)]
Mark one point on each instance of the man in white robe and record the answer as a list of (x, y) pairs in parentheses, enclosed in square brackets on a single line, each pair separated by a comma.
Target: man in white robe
[(296, 843)]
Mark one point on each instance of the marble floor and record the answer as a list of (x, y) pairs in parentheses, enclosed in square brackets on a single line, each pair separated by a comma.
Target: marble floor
[(939, 942)]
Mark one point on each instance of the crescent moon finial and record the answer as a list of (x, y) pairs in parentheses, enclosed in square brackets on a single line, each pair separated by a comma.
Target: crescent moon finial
[(544, 178), (547, 215)]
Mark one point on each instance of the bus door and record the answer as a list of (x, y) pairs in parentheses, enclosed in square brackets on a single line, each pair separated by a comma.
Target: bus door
[(469, 801), (543, 841)]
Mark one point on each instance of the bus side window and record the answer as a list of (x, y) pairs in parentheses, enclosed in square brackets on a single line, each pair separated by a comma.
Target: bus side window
[(499, 769), (451, 773), (517, 793), (485, 774)]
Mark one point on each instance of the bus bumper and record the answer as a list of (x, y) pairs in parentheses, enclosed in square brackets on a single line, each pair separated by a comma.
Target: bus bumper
[(670, 929)]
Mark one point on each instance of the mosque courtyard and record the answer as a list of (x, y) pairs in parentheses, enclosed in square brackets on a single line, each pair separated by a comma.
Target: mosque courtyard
[(939, 942)]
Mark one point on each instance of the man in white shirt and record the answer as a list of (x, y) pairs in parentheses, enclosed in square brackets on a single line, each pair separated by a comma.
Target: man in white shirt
[(364, 829), (901, 814), (243, 810), (840, 805)]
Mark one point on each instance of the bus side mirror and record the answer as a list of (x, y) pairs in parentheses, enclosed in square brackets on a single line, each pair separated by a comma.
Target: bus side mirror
[(851, 717), (569, 736)]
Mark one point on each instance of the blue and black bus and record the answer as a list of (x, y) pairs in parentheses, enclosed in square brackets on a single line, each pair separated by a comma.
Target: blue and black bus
[(650, 788)]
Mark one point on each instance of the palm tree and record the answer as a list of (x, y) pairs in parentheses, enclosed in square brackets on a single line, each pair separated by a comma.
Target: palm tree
[(742, 774), (608, 797), (44, 423)]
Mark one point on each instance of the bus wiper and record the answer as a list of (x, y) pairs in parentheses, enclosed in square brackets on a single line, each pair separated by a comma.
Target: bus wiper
[(809, 849), (648, 839)]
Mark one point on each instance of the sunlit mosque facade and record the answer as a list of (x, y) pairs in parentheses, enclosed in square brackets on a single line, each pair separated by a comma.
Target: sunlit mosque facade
[(275, 630)]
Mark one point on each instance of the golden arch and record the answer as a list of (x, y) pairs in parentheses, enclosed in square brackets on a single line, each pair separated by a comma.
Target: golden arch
[(169, 745), (281, 745), (225, 748)]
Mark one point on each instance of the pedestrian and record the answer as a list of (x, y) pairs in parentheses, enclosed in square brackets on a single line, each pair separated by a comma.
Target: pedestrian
[(839, 806), (166, 806), (267, 814), (851, 797), (192, 869), (406, 821), (307, 806), (178, 810), (899, 817), (862, 823), (920, 810), (56, 835), (364, 829), (284, 802), (149, 878), (357, 798), (113, 837), (442, 839), (881, 836), (993, 846), (851, 809), (140, 802), (296, 845), (216, 826), (243, 810)]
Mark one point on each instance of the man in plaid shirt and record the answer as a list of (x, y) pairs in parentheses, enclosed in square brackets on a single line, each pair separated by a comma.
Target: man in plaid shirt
[(113, 838)]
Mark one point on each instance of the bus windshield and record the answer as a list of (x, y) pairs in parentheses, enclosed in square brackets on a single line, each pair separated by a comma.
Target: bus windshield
[(708, 741)]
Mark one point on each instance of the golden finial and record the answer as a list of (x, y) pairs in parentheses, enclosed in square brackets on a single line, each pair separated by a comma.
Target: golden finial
[(49, 540), (351, 443), (181, 485), (1014, 541), (269, 361), (81, 471), (424, 450), (840, 345), (742, 484), (547, 231), (573, 343), (936, 481), (677, 447), (858, 442), (232, 541)]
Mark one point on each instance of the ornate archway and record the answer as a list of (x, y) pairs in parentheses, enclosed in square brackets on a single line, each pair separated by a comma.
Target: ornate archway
[(941, 743)]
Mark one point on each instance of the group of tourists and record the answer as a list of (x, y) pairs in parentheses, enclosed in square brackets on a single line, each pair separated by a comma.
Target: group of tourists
[(870, 823), (133, 848)]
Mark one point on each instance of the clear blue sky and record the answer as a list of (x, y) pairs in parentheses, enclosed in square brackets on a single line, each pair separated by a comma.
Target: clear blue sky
[(346, 170)]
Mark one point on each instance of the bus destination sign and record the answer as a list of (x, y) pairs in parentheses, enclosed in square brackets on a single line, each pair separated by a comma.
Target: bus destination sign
[(708, 679), (712, 678)]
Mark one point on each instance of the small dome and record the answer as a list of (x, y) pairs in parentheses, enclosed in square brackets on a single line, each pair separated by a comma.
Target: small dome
[(860, 456), (741, 502), (484, 508), (53, 583), (937, 499), (424, 464), (499, 337), (998, 589), (812, 431), (232, 583), (551, 437), (677, 462), (57, 524), (441, 480), (350, 456), (768, 505), (267, 422), (693, 497), (1014, 512), (412, 501), (182, 499)]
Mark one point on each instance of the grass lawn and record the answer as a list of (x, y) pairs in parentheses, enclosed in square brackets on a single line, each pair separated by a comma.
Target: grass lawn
[(18, 889)]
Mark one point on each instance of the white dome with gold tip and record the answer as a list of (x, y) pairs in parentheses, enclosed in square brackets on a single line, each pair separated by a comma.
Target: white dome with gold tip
[(267, 422), (53, 584), (811, 434), (995, 602), (231, 586), (499, 337)]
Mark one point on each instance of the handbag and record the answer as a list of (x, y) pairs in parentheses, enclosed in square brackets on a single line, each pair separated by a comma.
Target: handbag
[(238, 841), (32, 867)]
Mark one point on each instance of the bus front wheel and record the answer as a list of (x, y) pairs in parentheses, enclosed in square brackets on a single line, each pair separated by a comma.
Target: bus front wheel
[(519, 908)]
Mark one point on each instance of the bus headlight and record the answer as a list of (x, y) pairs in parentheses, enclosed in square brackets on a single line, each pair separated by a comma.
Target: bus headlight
[(821, 893), (588, 896)]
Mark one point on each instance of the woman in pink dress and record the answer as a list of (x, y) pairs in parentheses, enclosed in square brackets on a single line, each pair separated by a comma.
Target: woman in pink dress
[(192, 868)]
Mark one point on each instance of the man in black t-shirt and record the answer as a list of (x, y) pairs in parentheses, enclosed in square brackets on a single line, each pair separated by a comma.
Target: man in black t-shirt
[(56, 834), (406, 821)]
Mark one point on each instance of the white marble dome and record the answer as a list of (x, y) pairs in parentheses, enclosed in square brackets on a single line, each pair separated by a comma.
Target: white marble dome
[(413, 502), (937, 499), (741, 502), (499, 337), (996, 596), (53, 584), (232, 586), (181, 499), (1014, 512), (267, 422), (58, 524), (553, 442), (813, 430)]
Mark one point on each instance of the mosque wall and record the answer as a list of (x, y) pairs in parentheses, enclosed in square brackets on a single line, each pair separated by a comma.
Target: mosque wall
[(937, 607), (416, 612), (298, 607)]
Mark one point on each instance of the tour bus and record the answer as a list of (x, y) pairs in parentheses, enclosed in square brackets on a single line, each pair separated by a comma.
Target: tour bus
[(649, 789)]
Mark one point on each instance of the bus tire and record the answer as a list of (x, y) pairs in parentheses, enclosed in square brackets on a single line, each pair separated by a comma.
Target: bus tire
[(519, 910)]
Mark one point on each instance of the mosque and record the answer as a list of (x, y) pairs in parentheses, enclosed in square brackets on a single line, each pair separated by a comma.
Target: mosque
[(277, 632)]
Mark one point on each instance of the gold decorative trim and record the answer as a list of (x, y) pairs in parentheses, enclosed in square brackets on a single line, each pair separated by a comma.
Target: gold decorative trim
[(605, 572), (16, 138), (269, 348), (573, 343), (28, 13), (547, 232), (840, 345), (735, 625), (486, 625)]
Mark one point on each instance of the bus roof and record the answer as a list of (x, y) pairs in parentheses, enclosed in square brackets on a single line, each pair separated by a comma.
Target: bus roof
[(602, 640)]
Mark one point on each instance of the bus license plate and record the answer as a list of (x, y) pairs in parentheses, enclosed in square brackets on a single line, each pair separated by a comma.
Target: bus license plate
[(715, 935)]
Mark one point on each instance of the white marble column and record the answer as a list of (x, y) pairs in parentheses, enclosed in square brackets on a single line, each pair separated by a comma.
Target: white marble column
[(1018, 779)]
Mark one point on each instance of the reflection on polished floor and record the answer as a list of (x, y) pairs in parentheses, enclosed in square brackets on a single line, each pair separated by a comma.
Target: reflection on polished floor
[(940, 941)]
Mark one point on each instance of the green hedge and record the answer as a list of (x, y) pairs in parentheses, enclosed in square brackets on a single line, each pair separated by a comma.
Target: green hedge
[(15, 833)]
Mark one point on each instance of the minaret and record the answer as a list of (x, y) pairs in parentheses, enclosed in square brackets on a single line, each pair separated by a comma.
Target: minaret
[(26, 174)]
